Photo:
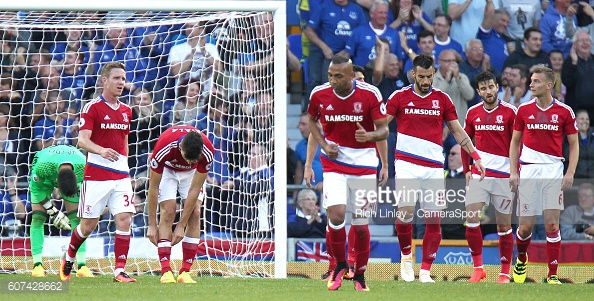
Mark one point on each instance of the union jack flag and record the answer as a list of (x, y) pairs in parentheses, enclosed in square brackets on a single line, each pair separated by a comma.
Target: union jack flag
[(311, 251)]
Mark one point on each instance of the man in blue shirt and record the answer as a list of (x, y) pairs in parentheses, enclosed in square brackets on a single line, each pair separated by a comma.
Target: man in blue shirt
[(491, 33)]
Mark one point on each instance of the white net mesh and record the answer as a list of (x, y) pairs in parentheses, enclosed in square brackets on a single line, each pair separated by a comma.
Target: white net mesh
[(213, 70)]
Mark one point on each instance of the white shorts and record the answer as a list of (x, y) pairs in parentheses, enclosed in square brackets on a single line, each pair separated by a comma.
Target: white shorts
[(173, 181), (415, 182), (489, 190), (540, 188), (117, 195), (341, 189)]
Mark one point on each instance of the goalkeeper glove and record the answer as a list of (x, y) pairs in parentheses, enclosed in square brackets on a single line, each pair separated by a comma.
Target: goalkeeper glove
[(60, 220)]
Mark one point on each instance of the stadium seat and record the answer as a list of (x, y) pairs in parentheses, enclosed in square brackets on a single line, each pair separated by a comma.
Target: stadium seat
[(491, 236)]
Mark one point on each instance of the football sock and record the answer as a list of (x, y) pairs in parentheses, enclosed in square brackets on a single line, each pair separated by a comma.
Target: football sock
[(361, 247), (404, 232), (431, 241), (189, 250), (164, 251), (506, 248), (331, 260), (338, 241), (37, 234), (76, 240), (352, 242), (553, 250), (522, 244), (122, 245), (474, 237), (81, 255)]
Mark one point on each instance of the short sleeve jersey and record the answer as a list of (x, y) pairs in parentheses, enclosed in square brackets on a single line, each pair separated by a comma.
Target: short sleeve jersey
[(544, 130), (339, 117), (46, 164), (492, 131), (109, 127), (167, 151), (420, 122)]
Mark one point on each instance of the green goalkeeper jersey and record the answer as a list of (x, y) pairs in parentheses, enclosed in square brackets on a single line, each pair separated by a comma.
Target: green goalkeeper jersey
[(44, 173)]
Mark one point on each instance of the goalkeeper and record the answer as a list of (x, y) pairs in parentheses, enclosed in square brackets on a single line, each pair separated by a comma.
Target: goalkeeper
[(63, 167)]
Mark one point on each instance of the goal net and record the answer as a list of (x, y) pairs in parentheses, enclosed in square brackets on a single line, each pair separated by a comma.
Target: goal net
[(208, 66)]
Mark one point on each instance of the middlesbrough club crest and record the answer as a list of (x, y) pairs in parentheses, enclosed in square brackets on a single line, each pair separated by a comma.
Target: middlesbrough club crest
[(435, 104), (125, 117), (499, 119), (554, 118), (357, 107)]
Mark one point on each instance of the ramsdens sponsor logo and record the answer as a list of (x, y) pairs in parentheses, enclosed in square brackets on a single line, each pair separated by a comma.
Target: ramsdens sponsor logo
[(114, 126), (351, 118), (542, 126), (489, 127), (422, 111)]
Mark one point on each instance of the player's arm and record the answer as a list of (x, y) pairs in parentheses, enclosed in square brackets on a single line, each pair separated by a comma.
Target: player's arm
[(189, 205), (573, 158), (331, 150), (381, 131), (152, 202), (382, 149), (312, 147), (84, 142), (464, 140), (514, 156)]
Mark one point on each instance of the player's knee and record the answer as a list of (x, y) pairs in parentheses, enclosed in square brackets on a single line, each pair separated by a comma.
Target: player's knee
[(336, 221), (360, 221), (501, 228)]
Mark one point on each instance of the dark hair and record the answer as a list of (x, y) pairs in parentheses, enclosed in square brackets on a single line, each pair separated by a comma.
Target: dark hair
[(192, 145), (447, 17), (357, 68), (423, 34), (67, 183), (523, 70), (530, 30), (424, 61), (556, 51), (485, 77), (182, 89), (339, 59)]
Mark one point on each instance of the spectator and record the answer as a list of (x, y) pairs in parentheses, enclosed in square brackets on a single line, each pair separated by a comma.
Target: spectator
[(451, 227), (578, 75), (73, 41), (442, 25), (145, 129), (585, 165), (74, 79), (426, 46), (212, 123), (476, 62), (188, 59), (577, 220), (570, 29), (38, 65), (12, 209), (260, 62), (18, 112), (9, 142), (55, 128), (491, 33), (11, 55), (517, 91), (187, 108), (362, 46), (450, 80), (308, 222), (335, 21), (293, 62), (410, 20), (523, 15), (466, 14), (311, 51), (531, 54), (554, 29), (301, 154), (556, 61), (432, 8)]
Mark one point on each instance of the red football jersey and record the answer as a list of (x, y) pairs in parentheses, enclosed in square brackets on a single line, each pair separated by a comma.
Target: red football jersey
[(110, 127), (167, 152), (420, 122), (339, 117), (492, 132), (544, 130)]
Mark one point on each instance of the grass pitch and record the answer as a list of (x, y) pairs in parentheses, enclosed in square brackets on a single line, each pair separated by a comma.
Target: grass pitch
[(215, 289)]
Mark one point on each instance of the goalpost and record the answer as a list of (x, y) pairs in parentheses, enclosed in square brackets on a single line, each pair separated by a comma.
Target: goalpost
[(241, 88)]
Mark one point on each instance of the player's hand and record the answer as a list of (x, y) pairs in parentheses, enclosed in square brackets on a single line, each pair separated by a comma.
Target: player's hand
[(468, 176), (109, 154), (514, 180), (567, 182), (61, 221), (153, 234), (178, 235), (383, 176), (309, 176), (360, 134), (331, 150), (479, 165)]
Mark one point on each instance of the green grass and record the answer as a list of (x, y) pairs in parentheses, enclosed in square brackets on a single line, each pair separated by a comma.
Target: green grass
[(223, 289)]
